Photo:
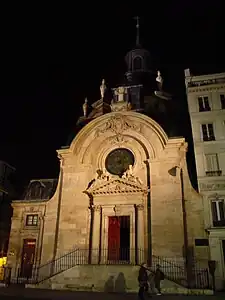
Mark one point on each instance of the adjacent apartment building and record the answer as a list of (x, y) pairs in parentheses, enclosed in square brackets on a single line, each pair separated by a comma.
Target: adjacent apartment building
[(206, 103)]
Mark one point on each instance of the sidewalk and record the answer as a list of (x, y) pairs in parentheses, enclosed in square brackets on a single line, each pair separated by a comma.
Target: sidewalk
[(61, 295), (64, 295)]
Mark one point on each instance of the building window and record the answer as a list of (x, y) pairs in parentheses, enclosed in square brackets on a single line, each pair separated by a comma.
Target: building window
[(208, 132), (212, 165), (201, 242), (203, 103), (218, 215), (32, 220), (222, 101), (137, 63)]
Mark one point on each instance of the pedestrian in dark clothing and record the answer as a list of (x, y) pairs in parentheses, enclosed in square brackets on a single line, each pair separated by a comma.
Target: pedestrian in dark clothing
[(143, 281), (159, 275)]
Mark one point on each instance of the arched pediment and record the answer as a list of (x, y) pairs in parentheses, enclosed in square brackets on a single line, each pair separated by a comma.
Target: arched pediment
[(128, 129)]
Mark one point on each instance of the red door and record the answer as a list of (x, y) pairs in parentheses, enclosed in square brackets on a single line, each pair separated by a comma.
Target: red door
[(114, 239), (28, 257)]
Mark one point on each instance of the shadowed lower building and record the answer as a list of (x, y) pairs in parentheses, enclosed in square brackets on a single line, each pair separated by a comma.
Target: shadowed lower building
[(123, 197), (7, 193)]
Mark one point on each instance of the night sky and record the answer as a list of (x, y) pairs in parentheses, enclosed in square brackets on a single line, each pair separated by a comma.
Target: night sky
[(53, 57)]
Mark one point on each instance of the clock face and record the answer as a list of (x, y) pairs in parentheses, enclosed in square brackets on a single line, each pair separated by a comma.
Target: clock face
[(118, 161)]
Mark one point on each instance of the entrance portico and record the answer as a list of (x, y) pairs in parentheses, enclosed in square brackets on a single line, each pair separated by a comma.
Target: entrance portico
[(117, 222)]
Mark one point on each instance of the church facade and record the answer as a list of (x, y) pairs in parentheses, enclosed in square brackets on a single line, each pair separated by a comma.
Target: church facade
[(120, 168), (123, 196)]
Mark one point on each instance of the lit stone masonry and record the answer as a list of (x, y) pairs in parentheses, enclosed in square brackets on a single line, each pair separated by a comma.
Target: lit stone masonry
[(121, 167)]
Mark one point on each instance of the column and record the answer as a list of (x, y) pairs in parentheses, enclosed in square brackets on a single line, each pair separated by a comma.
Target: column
[(130, 210), (142, 252), (106, 212), (96, 235)]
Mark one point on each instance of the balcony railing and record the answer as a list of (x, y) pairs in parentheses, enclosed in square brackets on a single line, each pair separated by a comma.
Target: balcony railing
[(202, 109), (209, 138), (220, 223), (213, 173), (173, 270)]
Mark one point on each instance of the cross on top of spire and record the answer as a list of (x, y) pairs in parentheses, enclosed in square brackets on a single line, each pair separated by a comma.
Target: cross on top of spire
[(137, 32)]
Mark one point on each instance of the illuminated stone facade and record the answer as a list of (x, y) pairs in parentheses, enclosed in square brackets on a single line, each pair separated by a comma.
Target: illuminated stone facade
[(150, 193), (206, 102)]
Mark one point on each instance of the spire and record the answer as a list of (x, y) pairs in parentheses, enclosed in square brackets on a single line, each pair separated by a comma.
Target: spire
[(137, 32)]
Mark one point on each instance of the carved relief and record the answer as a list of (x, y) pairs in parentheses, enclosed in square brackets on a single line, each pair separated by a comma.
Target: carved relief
[(206, 89), (184, 148), (102, 175), (120, 106), (105, 183), (212, 186), (117, 124), (129, 175), (116, 209), (115, 185), (97, 208), (118, 139), (12, 252)]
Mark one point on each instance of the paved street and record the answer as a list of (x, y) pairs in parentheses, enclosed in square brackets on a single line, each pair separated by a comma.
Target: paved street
[(34, 294)]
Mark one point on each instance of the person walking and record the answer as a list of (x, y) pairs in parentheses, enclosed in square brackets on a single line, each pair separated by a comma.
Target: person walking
[(143, 281), (159, 276), (151, 284)]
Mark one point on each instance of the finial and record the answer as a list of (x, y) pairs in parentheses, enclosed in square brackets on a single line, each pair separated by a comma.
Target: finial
[(137, 32)]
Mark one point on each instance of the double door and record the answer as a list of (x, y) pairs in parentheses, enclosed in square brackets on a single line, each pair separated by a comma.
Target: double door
[(119, 239)]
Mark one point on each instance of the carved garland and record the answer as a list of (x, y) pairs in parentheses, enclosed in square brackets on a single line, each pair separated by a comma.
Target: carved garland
[(117, 124)]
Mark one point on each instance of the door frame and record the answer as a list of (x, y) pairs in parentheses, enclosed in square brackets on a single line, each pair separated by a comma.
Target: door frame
[(22, 252), (125, 210)]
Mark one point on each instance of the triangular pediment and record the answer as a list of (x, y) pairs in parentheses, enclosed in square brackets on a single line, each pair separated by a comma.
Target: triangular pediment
[(116, 186)]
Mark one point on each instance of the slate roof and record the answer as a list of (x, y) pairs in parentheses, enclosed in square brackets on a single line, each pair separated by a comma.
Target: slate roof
[(40, 190)]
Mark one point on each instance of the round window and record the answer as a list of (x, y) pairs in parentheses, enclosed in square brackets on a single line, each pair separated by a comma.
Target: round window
[(118, 161)]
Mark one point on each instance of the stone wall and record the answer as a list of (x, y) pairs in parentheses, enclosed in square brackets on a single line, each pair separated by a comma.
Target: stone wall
[(65, 218)]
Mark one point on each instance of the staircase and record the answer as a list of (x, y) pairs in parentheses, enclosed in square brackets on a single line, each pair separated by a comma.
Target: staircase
[(61, 264), (173, 271), (177, 273), (54, 267)]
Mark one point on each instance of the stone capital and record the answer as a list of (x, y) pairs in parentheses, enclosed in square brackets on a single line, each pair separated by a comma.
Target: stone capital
[(140, 207)]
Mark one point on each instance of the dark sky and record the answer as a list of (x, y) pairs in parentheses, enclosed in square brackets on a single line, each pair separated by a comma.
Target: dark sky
[(52, 57)]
